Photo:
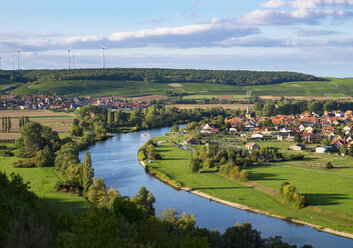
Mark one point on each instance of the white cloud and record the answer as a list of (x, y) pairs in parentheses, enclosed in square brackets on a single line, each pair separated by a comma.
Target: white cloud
[(183, 30), (274, 4), (297, 16), (311, 4)]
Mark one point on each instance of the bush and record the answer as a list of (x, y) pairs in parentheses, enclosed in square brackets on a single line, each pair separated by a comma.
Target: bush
[(6, 153), (290, 194), (244, 176), (329, 165), (141, 155), (23, 163), (44, 157)]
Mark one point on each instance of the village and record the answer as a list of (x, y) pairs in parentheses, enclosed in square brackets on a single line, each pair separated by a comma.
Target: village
[(331, 132), (60, 103)]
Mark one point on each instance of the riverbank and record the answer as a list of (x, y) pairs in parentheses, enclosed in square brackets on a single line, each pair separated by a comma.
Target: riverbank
[(324, 215), (250, 209)]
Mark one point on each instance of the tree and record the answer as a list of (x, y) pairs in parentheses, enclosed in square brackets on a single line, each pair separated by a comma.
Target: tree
[(87, 172), (195, 164), (145, 199), (269, 109), (9, 124), (109, 117), (175, 128), (44, 157), (31, 140), (97, 191), (297, 138)]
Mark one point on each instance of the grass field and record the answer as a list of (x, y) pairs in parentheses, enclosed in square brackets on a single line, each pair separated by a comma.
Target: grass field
[(7, 84), (330, 195), (42, 181), (334, 88)]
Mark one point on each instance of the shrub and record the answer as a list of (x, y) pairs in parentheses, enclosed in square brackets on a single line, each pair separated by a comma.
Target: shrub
[(244, 176), (23, 163), (141, 155), (329, 165), (44, 157), (290, 194), (6, 153)]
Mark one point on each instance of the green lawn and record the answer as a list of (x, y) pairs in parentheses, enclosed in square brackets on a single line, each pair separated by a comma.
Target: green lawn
[(332, 201), (42, 181)]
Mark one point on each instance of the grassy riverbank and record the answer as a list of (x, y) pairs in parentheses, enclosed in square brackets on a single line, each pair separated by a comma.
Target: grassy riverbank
[(331, 200)]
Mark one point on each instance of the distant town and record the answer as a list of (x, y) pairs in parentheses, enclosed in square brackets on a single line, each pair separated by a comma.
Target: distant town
[(12, 102)]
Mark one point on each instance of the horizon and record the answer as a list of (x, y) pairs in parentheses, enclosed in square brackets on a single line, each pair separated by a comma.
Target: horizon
[(306, 36)]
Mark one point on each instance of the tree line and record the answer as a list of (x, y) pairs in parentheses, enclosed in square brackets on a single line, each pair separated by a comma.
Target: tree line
[(6, 124), (100, 120), (231, 77), (294, 107)]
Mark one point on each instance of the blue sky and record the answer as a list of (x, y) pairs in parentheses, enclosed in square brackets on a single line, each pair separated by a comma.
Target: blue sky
[(310, 36)]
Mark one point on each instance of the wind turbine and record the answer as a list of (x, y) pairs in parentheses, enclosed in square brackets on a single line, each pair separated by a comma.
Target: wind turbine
[(68, 52), (73, 61), (18, 59), (0, 62), (103, 57)]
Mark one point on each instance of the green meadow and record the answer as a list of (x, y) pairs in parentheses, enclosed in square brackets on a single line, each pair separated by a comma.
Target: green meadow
[(41, 182), (334, 88), (329, 191)]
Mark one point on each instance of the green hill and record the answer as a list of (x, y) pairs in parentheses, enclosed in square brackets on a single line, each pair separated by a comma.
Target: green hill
[(194, 83)]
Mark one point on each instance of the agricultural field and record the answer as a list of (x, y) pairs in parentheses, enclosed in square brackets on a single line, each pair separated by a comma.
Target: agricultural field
[(333, 88), (93, 88), (6, 84), (60, 122), (41, 182), (329, 191)]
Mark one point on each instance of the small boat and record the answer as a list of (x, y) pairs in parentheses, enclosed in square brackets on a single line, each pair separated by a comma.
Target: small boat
[(146, 134)]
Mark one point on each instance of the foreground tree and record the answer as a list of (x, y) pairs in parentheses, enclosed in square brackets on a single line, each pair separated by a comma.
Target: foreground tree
[(145, 199)]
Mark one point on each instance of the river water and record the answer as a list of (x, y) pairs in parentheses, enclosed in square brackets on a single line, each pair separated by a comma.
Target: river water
[(116, 161)]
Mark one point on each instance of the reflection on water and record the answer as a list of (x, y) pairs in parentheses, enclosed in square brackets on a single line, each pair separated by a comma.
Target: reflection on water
[(116, 161)]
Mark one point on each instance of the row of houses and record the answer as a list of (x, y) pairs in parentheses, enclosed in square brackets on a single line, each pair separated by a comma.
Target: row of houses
[(9, 102), (310, 127)]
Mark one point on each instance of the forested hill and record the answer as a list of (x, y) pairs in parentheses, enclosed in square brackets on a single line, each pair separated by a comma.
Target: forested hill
[(239, 78)]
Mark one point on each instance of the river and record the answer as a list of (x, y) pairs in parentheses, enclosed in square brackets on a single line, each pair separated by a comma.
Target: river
[(116, 161)]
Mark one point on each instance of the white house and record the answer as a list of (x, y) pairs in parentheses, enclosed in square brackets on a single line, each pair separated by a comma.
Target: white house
[(323, 149), (257, 136)]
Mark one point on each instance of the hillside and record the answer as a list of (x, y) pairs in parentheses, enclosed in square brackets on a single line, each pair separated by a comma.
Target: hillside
[(189, 83)]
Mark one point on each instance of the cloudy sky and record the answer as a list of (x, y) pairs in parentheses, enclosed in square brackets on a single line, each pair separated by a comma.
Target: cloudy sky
[(310, 36)]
